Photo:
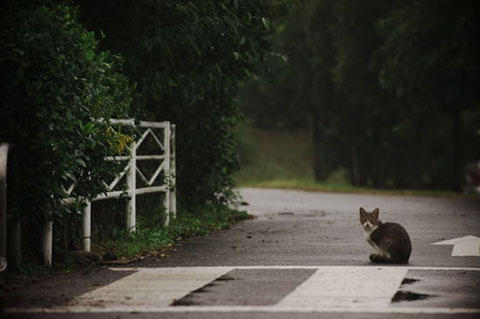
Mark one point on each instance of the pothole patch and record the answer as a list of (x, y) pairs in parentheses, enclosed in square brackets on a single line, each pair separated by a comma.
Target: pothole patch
[(409, 281), (402, 295), (184, 302)]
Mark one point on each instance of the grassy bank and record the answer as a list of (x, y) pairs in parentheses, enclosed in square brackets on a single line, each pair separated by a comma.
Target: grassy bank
[(151, 238), (309, 185), (268, 155), (283, 159)]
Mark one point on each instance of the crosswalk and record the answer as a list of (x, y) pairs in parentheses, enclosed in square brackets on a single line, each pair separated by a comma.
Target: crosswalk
[(346, 287), (364, 289)]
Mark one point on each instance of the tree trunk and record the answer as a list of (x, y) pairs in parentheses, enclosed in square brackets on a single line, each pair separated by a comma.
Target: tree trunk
[(416, 154), (376, 162), (457, 138), (318, 165), (355, 169)]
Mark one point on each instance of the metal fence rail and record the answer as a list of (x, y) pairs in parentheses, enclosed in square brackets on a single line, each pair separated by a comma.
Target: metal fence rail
[(164, 159)]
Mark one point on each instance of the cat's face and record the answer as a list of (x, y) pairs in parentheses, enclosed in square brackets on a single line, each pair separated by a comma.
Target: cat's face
[(369, 220)]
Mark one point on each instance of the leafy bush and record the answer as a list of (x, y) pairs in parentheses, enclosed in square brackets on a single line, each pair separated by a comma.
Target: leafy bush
[(55, 85), (188, 58)]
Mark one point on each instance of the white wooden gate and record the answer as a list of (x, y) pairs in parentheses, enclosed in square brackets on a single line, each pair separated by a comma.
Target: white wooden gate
[(162, 136)]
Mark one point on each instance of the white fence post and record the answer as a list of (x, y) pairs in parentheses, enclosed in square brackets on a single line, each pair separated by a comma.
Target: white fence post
[(3, 200), (87, 223), (173, 179), (131, 184), (47, 241), (166, 145)]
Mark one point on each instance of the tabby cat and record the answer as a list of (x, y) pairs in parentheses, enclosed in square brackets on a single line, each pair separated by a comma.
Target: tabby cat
[(390, 240)]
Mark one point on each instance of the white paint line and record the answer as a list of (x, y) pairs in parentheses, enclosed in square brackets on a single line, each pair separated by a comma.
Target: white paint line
[(347, 287), (372, 266), (463, 246), (308, 267), (269, 309), (157, 287), (446, 268)]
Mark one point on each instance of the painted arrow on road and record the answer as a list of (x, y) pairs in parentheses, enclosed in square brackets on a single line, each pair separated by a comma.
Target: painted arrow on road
[(463, 246)]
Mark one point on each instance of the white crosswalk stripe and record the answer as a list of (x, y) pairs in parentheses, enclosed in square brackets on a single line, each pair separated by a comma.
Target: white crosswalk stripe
[(366, 289), (151, 287), (347, 287)]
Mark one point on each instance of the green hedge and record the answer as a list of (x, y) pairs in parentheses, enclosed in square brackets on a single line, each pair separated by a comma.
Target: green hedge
[(55, 83)]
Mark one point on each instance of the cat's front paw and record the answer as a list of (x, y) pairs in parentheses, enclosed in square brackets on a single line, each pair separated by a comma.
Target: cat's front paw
[(375, 258)]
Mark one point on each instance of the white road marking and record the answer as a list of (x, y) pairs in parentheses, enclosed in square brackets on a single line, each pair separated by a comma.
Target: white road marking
[(307, 267), (347, 289), (463, 246), (151, 287), (398, 310)]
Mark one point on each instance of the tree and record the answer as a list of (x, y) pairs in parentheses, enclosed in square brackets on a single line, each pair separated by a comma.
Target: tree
[(330, 82), (188, 58), (301, 91), (430, 59), (366, 116)]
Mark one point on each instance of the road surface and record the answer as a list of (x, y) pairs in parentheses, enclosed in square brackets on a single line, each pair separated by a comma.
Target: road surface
[(303, 256)]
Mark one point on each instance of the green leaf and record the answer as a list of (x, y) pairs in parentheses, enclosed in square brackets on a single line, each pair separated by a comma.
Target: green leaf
[(266, 23)]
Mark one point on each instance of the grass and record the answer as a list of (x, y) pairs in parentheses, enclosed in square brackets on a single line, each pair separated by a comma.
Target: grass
[(309, 185), (269, 155), (149, 239), (282, 159)]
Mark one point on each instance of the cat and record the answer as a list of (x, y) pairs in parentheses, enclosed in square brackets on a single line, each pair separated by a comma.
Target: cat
[(390, 240)]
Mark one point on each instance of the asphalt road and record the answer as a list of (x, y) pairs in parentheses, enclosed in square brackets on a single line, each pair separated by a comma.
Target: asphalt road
[(303, 256)]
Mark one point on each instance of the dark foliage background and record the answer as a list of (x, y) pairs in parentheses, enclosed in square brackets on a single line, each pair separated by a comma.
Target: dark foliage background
[(389, 89)]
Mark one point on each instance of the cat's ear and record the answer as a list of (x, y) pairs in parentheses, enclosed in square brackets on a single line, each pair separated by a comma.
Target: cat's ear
[(362, 211), (375, 213)]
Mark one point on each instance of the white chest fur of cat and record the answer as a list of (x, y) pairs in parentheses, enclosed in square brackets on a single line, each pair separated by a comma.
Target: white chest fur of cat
[(390, 240), (378, 250)]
